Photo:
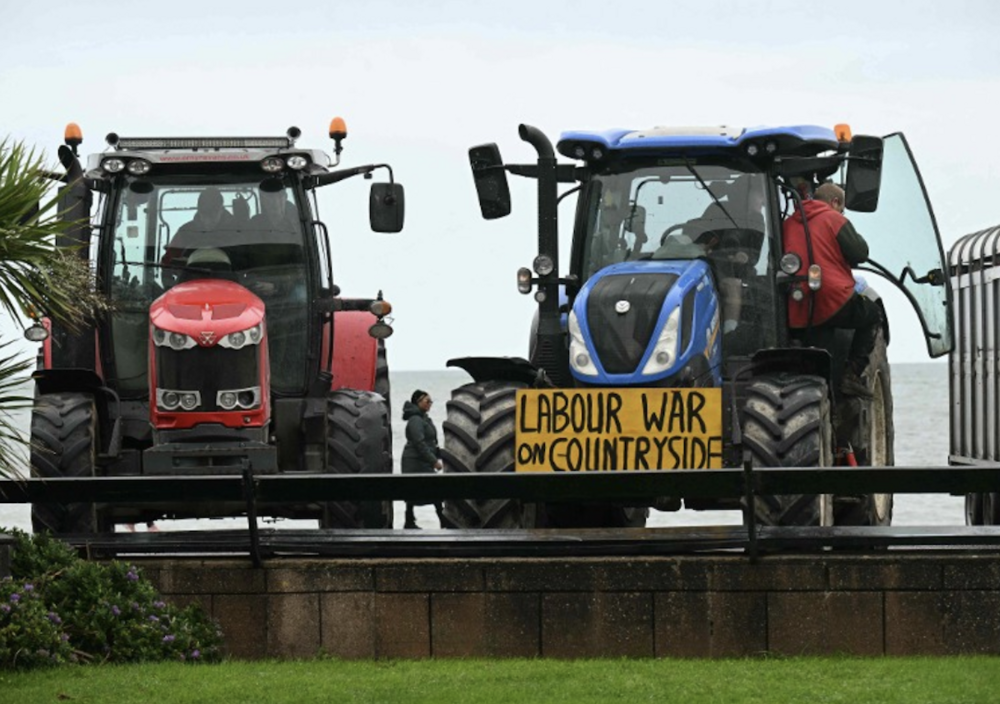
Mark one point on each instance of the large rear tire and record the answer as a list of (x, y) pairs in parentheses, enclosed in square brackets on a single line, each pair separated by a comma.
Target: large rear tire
[(358, 441), (479, 439), (787, 424), (64, 444), (984, 509), (872, 438), (973, 509)]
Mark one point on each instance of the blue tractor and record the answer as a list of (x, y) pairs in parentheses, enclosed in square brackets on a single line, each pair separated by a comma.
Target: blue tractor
[(665, 345)]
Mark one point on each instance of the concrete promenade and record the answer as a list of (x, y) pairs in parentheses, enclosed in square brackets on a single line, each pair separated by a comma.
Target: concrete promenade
[(898, 603)]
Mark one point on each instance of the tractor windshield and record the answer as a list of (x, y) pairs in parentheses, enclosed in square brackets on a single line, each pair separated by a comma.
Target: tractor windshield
[(685, 211), (676, 212), (177, 228)]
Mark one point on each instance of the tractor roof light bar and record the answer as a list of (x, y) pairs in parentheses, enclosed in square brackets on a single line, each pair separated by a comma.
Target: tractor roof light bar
[(139, 143)]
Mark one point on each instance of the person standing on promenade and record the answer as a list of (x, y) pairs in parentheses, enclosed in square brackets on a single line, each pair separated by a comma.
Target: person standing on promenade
[(421, 454)]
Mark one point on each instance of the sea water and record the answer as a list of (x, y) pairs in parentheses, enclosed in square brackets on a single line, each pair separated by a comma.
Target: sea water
[(920, 393)]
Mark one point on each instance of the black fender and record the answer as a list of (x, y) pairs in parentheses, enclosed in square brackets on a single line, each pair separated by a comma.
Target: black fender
[(53, 381), (801, 360), (871, 294), (885, 320), (500, 369)]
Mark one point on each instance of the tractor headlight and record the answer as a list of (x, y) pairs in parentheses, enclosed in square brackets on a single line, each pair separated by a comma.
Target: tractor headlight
[(272, 165), (297, 162), (790, 263), (36, 333), (239, 398), (176, 341), (113, 165), (544, 265), (665, 352), (139, 167), (579, 356), (239, 339), (169, 400)]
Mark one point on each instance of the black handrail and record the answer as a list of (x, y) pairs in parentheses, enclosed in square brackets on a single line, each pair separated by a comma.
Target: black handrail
[(607, 486)]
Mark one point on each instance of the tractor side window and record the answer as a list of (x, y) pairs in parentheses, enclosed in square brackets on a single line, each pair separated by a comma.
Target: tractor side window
[(274, 266), (133, 287)]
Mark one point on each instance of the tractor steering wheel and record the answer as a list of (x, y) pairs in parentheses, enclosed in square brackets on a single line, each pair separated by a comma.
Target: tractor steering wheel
[(670, 230)]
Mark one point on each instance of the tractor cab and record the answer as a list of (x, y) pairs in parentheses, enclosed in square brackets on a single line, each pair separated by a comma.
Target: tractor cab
[(721, 195), (251, 229), (639, 217)]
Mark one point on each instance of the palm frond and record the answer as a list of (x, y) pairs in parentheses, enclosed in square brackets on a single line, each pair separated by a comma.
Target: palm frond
[(36, 278), (34, 274), (15, 404)]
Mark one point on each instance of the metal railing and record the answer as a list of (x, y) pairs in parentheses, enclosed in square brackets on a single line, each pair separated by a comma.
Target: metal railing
[(632, 486)]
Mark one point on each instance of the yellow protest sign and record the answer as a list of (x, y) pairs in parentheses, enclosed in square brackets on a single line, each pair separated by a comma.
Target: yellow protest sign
[(601, 430)]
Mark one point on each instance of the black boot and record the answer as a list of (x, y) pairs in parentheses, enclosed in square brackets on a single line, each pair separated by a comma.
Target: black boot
[(853, 384), (410, 522)]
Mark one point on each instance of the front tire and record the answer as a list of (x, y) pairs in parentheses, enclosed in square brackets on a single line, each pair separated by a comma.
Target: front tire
[(479, 439), (787, 424), (64, 440), (358, 441)]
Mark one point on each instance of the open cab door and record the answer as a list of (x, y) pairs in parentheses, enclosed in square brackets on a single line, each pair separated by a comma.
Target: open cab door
[(903, 239)]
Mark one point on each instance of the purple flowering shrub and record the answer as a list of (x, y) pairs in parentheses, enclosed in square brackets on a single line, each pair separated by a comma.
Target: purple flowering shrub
[(108, 611), (30, 634)]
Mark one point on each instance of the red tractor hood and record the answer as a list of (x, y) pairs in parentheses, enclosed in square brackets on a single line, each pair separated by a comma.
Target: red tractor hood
[(207, 310)]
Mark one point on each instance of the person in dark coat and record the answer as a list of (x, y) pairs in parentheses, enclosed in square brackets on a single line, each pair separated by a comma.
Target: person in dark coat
[(420, 456)]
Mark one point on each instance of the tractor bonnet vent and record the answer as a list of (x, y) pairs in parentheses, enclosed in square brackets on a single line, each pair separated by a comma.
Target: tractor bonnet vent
[(133, 143)]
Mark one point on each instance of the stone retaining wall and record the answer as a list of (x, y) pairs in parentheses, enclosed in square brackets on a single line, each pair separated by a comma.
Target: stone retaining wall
[(903, 604)]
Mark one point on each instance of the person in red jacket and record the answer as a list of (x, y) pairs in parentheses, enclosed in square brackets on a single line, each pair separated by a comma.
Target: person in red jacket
[(836, 248)]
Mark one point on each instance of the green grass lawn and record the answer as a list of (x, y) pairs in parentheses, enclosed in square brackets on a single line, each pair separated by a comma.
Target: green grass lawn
[(963, 680)]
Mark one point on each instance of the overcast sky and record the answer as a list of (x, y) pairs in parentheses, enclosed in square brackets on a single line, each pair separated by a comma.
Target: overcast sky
[(420, 82)]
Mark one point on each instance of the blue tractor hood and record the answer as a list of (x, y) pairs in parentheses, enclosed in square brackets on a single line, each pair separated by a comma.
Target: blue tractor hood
[(647, 323)]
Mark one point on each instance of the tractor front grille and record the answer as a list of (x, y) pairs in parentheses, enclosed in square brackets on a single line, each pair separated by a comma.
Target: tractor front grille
[(208, 370), (621, 339)]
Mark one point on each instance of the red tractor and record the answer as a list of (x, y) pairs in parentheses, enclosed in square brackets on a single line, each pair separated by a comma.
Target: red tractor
[(228, 346)]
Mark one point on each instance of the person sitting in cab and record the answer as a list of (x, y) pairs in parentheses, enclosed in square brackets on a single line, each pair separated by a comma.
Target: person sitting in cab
[(210, 227)]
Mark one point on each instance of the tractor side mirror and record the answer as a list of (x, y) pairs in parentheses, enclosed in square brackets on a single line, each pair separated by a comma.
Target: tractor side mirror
[(864, 174), (491, 181), (386, 207)]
